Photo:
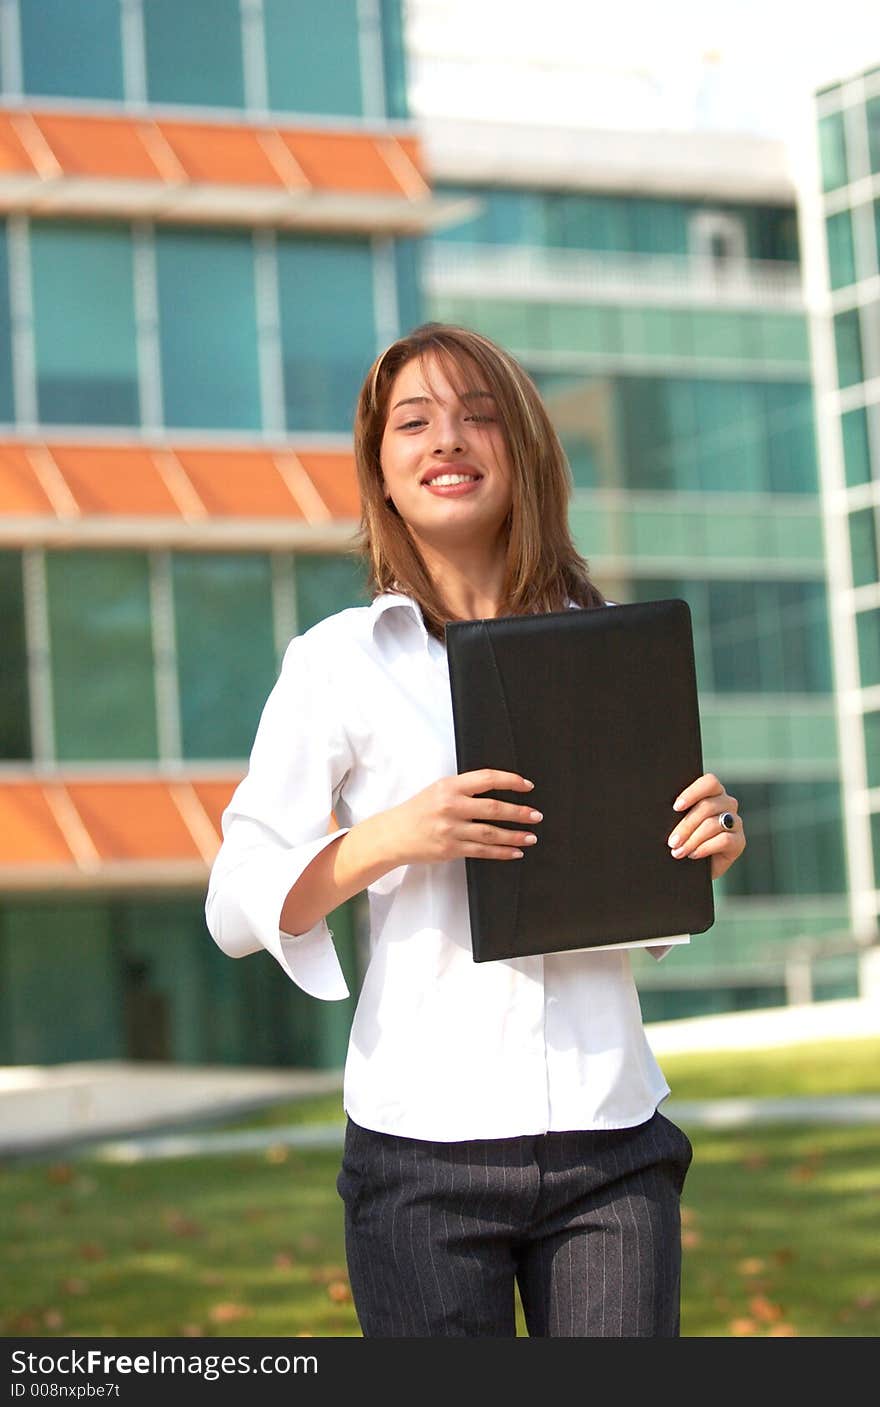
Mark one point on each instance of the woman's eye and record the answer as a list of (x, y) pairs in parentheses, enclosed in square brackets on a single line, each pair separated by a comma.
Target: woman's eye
[(410, 424), (486, 419)]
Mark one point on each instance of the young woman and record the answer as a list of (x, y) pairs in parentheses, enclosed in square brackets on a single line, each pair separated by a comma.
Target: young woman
[(502, 1117)]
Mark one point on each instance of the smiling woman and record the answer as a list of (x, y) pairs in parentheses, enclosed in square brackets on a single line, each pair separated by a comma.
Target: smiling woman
[(503, 1117)]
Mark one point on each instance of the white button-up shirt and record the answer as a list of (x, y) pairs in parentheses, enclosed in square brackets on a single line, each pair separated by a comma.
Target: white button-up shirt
[(441, 1047)]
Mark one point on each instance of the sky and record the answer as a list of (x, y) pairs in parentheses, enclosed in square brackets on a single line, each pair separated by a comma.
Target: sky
[(747, 66)]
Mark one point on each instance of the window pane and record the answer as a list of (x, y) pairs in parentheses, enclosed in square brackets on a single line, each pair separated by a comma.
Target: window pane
[(15, 730), (84, 324), (407, 260), (872, 113), (832, 151), (731, 437), (790, 448), (102, 655), (802, 641), (70, 49), (863, 546), (7, 412), (326, 584), (208, 329), (734, 630), (856, 452), (872, 748), (194, 52), (795, 833), (225, 649), (313, 56), (394, 53), (868, 629), (841, 253), (328, 329), (848, 342)]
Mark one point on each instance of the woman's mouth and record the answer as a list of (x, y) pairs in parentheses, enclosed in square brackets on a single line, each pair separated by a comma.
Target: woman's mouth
[(452, 485)]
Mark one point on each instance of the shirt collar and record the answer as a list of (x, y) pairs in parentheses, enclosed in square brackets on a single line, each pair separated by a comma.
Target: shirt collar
[(384, 602)]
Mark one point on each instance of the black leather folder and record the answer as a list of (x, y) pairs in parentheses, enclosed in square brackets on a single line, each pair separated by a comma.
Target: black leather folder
[(599, 709)]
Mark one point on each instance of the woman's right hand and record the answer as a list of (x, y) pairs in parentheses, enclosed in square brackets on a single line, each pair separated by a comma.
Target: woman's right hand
[(451, 820)]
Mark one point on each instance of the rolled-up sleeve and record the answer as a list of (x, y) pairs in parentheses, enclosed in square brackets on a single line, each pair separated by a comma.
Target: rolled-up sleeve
[(277, 822)]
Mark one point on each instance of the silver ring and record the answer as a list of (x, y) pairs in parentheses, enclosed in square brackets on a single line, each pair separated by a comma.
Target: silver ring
[(727, 820)]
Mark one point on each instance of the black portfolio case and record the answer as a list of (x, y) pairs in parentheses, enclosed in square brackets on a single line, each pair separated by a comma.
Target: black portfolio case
[(599, 709)]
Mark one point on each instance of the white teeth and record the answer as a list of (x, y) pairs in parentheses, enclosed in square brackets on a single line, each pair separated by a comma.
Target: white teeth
[(454, 479)]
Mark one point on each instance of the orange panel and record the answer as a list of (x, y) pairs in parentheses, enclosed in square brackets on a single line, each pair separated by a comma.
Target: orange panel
[(13, 156), (98, 146), (221, 154), (336, 481), (29, 830), (134, 820), (239, 483), (20, 490), (342, 161), (118, 480), (215, 797)]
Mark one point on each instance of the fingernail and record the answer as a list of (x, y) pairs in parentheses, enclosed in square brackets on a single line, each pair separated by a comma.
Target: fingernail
[(536, 815), (530, 840), (517, 854), (677, 804), (673, 840), (679, 851), (527, 782)]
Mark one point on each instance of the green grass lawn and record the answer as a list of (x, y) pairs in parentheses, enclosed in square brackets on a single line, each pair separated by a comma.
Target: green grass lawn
[(781, 1233)]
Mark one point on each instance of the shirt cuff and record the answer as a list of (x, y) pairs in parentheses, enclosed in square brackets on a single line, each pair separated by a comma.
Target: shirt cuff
[(261, 887)]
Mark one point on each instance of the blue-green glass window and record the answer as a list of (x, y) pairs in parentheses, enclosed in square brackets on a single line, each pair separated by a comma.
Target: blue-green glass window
[(872, 114), (326, 584), (7, 411), (658, 226), (407, 264), (647, 434), (84, 324), (194, 52), (868, 633), (769, 637), (15, 731), (226, 662), (102, 655), (313, 56), (328, 328), (394, 55), (790, 439), (872, 749), (730, 430), (841, 251), (832, 151), (208, 329), (848, 343), (856, 450), (877, 228), (795, 839), (863, 546), (70, 49)]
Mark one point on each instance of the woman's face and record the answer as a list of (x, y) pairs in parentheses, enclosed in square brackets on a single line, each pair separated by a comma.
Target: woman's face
[(445, 461)]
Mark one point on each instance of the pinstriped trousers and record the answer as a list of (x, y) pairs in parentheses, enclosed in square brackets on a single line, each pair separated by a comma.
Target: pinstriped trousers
[(586, 1223)]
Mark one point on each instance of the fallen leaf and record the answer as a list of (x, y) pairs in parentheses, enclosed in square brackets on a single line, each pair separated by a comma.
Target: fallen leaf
[(25, 1323), (804, 1172), (741, 1328), (690, 1238), (324, 1274), (308, 1242), (53, 1319), (339, 1291), (765, 1309), (74, 1286), (688, 1216), (212, 1277), (192, 1331), (755, 1161), (228, 1313), (782, 1331), (59, 1174), (283, 1261), (752, 1265), (277, 1153), (867, 1301), (784, 1256), (92, 1251)]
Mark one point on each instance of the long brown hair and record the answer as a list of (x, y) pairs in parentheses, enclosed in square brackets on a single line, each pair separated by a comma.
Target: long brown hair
[(543, 569)]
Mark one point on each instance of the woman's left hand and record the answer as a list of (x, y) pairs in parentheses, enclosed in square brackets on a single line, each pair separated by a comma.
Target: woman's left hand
[(699, 833)]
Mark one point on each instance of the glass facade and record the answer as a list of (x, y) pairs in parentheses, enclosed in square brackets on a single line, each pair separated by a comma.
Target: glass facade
[(88, 332), (625, 224), (15, 730), (71, 50), (84, 324), (339, 59)]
